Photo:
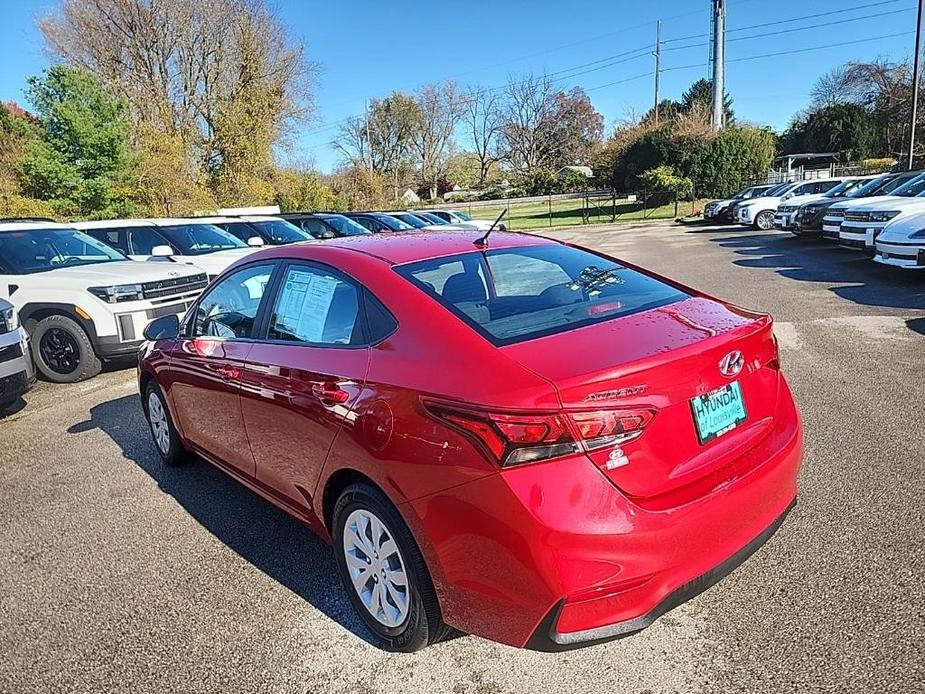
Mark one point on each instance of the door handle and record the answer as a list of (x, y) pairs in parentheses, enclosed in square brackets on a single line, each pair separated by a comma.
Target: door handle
[(330, 393)]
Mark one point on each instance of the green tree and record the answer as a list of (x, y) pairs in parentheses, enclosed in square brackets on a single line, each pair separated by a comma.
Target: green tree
[(82, 161), (846, 128), (701, 92), (663, 179)]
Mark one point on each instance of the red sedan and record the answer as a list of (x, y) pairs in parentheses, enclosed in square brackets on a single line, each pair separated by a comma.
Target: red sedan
[(523, 439)]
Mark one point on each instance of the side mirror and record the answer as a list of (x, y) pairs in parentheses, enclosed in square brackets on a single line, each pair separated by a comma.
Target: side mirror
[(163, 328), (255, 242), (161, 252)]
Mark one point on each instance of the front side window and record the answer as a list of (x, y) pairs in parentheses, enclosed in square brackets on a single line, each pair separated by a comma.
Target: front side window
[(345, 226), (240, 230), (316, 307), (142, 240), (230, 307), (393, 224), (39, 250), (912, 188), (316, 228), (200, 239), (517, 294)]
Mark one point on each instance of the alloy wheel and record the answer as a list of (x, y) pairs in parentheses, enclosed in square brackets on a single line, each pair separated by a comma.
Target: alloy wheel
[(765, 220), (376, 567), (159, 426), (60, 351)]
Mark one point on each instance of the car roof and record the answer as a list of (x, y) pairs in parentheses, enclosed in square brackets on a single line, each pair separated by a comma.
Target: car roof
[(175, 221), (113, 223), (412, 246), (25, 226), (259, 218)]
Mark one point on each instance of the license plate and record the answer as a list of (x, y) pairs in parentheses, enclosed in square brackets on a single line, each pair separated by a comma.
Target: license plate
[(718, 412)]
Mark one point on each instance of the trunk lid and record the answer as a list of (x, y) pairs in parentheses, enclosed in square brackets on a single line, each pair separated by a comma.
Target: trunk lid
[(661, 360)]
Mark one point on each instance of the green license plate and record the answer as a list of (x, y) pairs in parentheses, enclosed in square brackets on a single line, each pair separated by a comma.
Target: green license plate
[(718, 412)]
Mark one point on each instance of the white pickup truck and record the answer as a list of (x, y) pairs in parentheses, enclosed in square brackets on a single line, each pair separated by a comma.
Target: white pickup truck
[(83, 302)]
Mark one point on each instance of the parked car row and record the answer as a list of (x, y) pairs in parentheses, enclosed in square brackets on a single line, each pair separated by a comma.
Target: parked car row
[(85, 292), (881, 215)]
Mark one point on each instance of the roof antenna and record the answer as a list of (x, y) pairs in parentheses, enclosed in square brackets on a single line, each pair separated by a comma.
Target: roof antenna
[(482, 241)]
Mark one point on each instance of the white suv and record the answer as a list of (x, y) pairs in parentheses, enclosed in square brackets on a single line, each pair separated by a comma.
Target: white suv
[(83, 302), (189, 241), (16, 374), (865, 220), (759, 212)]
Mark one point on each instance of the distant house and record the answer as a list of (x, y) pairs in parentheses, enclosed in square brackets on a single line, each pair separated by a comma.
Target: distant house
[(409, 197), (792, 167), (583, 170)]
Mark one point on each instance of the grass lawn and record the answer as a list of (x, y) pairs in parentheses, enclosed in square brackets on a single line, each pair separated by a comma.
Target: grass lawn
[(569, 213)]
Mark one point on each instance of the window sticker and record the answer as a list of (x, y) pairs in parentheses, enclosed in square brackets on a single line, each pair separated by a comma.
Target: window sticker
[(304, 305)]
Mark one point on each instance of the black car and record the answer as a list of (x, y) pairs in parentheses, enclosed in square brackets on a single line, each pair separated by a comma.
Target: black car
[(325, 225), (810, 219), (378, 222)]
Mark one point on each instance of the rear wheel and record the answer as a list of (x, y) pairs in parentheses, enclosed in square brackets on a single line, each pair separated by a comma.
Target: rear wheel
[(383, 571), (62, 351), (765, 220)]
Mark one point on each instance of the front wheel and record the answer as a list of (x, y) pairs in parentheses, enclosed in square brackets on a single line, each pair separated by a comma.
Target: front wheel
[(765, 220), (383, 571), (62, 351), (166, 439)]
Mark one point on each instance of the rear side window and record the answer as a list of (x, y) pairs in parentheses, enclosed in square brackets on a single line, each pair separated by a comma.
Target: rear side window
[(315, 307), (517, 294)]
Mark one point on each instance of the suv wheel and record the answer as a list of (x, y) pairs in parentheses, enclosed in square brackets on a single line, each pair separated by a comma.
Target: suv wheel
[(62, 351), (383, 571), (765, 220), (166, 439)]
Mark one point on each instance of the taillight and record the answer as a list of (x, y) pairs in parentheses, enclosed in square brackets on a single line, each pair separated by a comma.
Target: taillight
[(515, 439), (604, 428)]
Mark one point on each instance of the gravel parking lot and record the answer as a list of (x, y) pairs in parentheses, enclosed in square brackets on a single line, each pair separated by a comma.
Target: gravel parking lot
[(118, 574)]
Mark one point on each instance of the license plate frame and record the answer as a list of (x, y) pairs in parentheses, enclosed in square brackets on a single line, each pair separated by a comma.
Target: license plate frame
[(711, 422)]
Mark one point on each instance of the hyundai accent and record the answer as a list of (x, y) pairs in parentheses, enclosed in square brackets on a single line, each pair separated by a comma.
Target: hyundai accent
[(513, 437)]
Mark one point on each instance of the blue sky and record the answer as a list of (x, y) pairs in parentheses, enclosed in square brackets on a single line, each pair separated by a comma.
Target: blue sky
[(368, 48)]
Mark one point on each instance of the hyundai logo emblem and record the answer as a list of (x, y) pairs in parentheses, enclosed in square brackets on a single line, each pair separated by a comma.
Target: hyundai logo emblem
[(731, 364)]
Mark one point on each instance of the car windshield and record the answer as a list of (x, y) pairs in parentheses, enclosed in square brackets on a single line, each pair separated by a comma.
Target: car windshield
[(842, 188), (462, 215), (200, 239), (776, 190), (345, 226), (431, 218), (393, 223), (279, 232), (516, 294), (241, 230), (410, 220), (870, 188), (912, 188), (38, 250)]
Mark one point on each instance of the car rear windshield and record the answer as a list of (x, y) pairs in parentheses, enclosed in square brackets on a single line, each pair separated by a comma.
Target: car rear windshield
[(515, 294)]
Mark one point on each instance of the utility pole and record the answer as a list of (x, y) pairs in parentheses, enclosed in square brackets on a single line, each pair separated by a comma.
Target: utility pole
[(658, 64), (369, 142), (719, 63), (916, 77)]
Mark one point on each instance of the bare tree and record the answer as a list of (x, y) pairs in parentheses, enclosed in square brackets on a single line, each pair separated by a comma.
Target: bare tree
[(438, 109), (831, 88), (524, 136), (482, 121)]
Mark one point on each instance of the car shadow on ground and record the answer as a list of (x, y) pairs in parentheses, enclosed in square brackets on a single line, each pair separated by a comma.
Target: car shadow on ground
[(269, 539), (809, 260)]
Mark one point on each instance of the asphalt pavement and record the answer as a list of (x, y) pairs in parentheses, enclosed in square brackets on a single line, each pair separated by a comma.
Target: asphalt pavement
[(119, 574)]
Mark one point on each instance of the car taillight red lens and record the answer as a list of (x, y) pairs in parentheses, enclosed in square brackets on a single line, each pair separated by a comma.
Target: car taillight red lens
[(607, 427), (515, 439), (512, 439)]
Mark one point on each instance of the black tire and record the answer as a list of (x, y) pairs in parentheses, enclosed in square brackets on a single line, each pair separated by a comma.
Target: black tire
[(62, 350), (172, 452), (423, 624), (764, 220)]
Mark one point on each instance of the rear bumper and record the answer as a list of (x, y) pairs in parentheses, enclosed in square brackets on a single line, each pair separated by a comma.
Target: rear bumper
[(546, 638), (553, 556)]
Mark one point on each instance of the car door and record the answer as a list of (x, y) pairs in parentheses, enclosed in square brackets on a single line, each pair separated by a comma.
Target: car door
[(301, 382), (207, 363)]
